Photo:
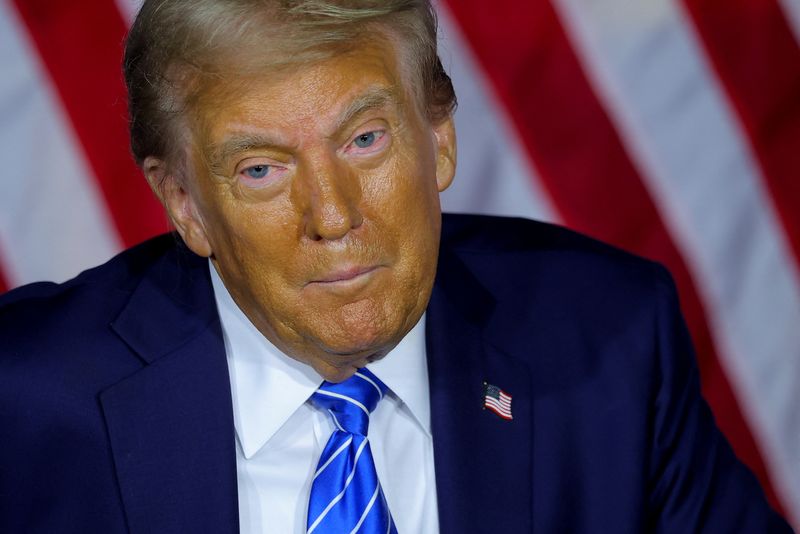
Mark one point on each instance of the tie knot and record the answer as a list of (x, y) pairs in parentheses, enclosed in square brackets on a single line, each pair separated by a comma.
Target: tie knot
[(351, 401)]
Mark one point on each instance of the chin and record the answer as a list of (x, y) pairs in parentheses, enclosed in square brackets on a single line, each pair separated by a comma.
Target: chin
[(335, 364), (363, 349), (359, 342), (366, 324)]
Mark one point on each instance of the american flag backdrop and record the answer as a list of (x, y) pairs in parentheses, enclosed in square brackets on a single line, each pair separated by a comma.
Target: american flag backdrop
[(670, 128)]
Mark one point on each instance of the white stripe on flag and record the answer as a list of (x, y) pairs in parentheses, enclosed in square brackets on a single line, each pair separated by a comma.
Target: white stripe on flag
[(504, 400), (53, 220), (495, 175), (500, 406), (650, 70), (128, 9), (502, 412), (791, 9)]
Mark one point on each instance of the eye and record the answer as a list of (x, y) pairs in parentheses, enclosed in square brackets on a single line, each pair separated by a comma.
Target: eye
[(260, 173), (365, 140), (257, 171), (368, 142)]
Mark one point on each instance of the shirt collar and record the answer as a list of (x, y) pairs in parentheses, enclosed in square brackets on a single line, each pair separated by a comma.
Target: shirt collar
[(405, 372), (267, 386)]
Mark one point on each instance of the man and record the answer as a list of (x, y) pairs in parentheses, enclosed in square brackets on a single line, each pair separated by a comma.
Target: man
[(299, 148)]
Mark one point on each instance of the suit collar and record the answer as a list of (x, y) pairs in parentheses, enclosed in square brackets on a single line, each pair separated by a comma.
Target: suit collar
[(483, 463), (172, 303), (170, 424)]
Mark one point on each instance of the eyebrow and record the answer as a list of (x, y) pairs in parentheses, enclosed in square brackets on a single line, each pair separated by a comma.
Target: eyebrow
[(372, 99), (221, 152)]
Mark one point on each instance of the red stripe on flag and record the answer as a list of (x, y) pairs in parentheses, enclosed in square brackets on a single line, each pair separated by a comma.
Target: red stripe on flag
[(3, 282), (81, 46), (583, 165), (757, 58)]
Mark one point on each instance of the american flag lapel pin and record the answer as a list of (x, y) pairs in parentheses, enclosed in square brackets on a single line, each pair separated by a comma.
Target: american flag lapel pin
[(497, 400)]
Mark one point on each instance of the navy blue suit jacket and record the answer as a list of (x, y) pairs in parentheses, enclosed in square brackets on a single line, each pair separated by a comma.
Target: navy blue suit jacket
[(115, 403)]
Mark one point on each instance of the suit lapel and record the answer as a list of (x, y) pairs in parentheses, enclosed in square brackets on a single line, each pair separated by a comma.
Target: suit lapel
[(483, 462), (171, 424)]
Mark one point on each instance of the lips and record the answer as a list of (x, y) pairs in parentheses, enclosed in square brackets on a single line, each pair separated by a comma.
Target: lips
[(344, 274)]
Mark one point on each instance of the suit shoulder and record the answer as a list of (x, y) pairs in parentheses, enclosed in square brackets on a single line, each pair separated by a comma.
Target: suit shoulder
[(58, 348), (41, 309), (516, 234), (556, 281), (542, 249), (120, 271)]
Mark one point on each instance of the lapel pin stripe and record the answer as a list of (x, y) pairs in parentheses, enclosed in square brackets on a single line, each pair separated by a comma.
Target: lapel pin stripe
[(497, 400)]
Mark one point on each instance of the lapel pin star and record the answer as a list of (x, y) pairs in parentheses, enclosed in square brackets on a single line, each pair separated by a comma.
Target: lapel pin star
[(497, 400)]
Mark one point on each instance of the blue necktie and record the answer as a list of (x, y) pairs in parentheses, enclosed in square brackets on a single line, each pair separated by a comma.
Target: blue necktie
[(346, 496)]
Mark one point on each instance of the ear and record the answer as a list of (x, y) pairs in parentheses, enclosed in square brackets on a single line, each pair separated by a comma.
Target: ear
[(445, 136), (180, 205)]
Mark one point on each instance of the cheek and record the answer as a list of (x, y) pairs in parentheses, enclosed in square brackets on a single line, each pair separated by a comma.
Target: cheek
[(406, 202), (403, 192), (259, 229), (254, 251)]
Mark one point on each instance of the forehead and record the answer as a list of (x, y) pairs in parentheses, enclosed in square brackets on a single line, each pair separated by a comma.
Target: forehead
[(324, 93)]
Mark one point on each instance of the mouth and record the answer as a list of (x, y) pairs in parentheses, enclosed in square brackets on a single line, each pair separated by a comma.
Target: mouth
[(344, 275)]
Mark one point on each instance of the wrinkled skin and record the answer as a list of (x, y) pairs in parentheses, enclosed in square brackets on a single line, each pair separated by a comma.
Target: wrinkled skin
[(315, 192)]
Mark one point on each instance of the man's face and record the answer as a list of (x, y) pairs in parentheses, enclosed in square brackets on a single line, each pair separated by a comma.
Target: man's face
[(316, 194)]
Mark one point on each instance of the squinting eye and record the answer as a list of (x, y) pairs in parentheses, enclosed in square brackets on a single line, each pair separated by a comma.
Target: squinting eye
[(257, 171), (365, 140)]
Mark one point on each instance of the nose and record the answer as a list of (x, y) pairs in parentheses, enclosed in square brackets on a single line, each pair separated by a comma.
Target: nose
[(330, 195)]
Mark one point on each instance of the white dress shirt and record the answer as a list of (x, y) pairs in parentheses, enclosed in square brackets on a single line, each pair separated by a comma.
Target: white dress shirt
[(280, 434)]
